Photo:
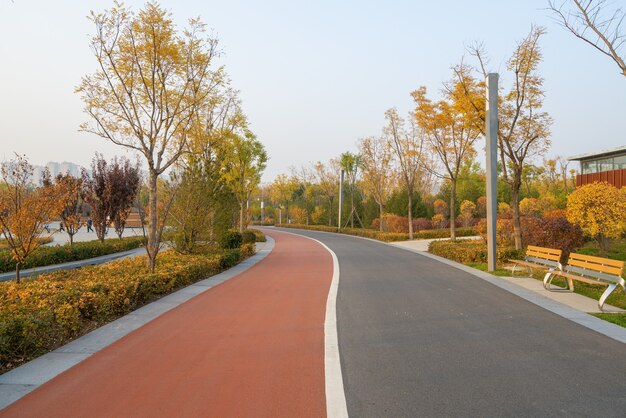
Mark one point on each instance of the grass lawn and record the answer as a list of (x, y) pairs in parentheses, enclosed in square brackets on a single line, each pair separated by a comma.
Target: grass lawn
[(616, 318)]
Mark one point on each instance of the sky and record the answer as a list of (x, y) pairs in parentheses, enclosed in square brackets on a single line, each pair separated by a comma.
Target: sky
[(314, 77)]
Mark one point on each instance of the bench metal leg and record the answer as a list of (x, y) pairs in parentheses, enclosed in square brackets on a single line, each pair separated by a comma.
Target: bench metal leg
[(547, 280), (608, 292)]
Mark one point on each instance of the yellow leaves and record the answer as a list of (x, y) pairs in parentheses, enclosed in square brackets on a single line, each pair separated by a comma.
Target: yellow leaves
[(599, 209)]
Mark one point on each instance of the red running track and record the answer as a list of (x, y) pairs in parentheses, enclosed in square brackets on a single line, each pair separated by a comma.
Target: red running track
[(250, 347)]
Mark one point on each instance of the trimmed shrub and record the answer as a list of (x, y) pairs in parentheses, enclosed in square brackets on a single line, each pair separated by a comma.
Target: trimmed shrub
[(46, 256), (38, 315), (259, 235), (230, 240), (471, 251), (387, 236), (248, 236)]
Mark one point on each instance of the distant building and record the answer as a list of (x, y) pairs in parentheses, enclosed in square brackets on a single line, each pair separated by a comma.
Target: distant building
[(55, 169), (607, 165)]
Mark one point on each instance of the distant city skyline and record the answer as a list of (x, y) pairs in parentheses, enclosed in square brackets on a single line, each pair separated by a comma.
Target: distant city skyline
[(314, 77)]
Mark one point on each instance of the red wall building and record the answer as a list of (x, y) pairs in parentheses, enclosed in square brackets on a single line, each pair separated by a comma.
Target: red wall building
[(608, 165)]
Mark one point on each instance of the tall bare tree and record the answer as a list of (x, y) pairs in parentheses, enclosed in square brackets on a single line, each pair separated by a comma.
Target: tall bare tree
[(378, 171), (149, 85), (327, 176), (408, 145), (524, 128), (598, 24)]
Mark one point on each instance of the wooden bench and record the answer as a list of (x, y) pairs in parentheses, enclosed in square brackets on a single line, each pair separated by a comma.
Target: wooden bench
[(593, 270), (540, 258)]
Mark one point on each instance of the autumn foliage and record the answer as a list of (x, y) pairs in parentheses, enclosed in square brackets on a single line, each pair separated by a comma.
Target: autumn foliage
[(599, 209), (25, 210)]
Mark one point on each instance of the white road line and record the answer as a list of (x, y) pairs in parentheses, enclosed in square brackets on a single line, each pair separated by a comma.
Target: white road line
[(335, 395)]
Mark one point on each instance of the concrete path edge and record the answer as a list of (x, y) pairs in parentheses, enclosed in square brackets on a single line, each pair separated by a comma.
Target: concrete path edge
[(26, 378)]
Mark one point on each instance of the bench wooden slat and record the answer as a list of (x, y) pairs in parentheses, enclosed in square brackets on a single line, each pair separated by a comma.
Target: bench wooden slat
[(580, 278), (598, 264), (545, 253)]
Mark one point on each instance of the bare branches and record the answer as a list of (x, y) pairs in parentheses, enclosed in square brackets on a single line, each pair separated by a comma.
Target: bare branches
[(593, 22)]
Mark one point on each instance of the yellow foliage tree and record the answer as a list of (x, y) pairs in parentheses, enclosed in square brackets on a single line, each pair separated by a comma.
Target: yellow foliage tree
[(529, 206), (299, 215), (599, 209), (378, 172), (467, 209), (151, 80)]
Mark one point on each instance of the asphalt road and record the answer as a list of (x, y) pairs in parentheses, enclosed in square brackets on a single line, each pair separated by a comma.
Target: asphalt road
[(418, 338)]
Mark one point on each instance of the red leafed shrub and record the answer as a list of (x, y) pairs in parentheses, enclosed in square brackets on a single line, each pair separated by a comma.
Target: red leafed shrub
[(393, 223), (553, 232), (420, 224)]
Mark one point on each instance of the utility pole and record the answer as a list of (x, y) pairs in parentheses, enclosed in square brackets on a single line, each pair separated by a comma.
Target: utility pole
[(340, 199), (491, 122)]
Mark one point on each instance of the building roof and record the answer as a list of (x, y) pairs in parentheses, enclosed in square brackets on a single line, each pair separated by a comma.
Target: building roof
[(599, 154)]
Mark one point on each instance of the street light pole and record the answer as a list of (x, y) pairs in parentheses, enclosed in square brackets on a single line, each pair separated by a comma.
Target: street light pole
[(340, 199), (491, 137)]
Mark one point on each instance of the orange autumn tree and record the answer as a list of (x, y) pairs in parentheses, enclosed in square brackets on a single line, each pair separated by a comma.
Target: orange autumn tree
[(25, 209), (451, 129), (71, 213)]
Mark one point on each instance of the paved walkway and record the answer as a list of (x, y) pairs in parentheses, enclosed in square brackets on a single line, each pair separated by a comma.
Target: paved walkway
[(74, 264), (251, 346)]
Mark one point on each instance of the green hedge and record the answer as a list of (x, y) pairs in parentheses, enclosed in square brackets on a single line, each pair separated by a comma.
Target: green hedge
[(38, 315), (46, 256), (258, 234), (474, 251), (386, 236)]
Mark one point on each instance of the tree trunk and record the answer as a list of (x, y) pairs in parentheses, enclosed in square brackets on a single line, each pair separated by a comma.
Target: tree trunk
[(17, 271), (517, 225), (153, 245), (452, 210), (380, 217), (410, 213), (241, 217), (352, 207), (71, 236), (330, 212)]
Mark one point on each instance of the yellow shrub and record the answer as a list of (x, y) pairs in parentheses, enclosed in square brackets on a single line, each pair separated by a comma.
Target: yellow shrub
[(599, 209)]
